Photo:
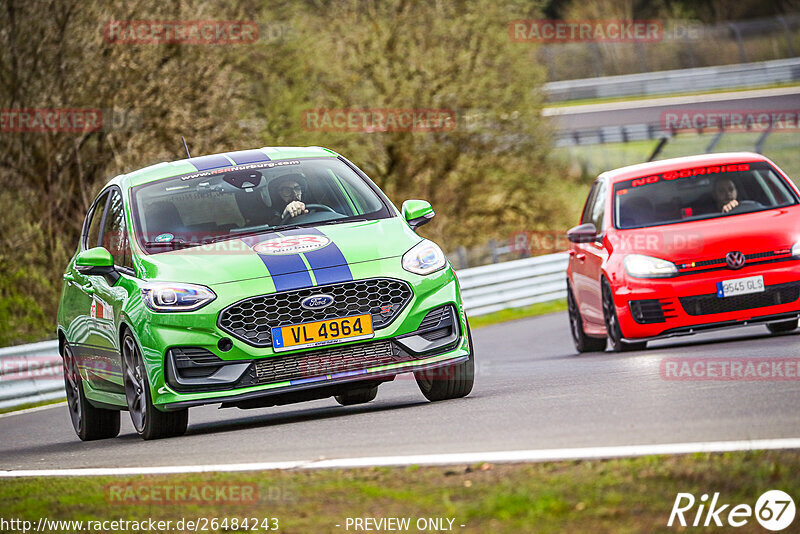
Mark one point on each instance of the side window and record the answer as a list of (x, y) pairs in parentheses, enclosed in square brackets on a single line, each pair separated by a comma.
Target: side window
[(599, 207), (92, 235), (115, 239), (586, 217)]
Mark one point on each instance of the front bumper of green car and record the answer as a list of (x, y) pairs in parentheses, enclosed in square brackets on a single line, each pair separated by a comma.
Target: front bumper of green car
[(186, 365)]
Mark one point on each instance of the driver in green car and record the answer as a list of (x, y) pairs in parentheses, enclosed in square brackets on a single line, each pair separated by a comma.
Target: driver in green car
[(288, 202)]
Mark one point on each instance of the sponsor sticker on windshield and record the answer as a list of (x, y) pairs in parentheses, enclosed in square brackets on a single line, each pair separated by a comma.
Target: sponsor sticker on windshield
[(621, 187), (164, 238), (223, 170)]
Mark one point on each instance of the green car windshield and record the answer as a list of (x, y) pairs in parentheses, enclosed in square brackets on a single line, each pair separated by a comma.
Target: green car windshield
[(215, 205)]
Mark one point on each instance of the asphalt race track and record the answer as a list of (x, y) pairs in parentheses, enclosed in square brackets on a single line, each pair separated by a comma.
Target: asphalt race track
[(532, 392)]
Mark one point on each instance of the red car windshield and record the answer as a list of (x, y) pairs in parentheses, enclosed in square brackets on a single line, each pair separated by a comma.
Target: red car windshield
[(700, 192)]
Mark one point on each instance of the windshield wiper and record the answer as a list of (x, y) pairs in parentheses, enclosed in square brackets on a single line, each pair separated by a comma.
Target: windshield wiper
[(342, 221), (174, 244)]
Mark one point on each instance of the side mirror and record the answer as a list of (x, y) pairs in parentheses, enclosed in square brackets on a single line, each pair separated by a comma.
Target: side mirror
[(417, 212), (585, 233), (96, 261)]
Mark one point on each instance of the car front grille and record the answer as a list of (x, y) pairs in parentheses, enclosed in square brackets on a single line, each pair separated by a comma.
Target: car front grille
[(437, 324), (772, 296), (194, 362), (651, 311), (324, 362), (252, 319), (720, 263)]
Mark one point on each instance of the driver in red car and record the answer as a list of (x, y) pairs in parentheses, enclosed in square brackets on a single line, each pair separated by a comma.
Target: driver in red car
[(287, 196), (725, 194)]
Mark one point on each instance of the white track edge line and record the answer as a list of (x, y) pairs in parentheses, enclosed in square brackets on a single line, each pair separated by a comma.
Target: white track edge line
[(542, 455), (32, 410)]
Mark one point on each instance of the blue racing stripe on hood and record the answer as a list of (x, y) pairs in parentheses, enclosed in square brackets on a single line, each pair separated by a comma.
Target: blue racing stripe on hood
[(328, 263), (204, 163), (287, 271), (243, 157)]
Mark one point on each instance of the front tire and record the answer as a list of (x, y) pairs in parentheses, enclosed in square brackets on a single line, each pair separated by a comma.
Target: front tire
[(90, 423), (583, 342), (612, 324), (449, 382), (782, 327), (149, 421)]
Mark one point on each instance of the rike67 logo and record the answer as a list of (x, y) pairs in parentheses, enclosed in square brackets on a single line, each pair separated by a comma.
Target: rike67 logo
[(774, 510)]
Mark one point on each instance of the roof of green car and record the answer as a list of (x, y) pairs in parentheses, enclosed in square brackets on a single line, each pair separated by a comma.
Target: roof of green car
[(214, 161)]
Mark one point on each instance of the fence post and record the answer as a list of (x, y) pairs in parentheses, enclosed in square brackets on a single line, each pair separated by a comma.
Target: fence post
[(462, 257), (493, 250)]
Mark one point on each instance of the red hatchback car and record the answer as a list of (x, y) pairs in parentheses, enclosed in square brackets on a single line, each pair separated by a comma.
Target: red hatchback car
[(684, 245)]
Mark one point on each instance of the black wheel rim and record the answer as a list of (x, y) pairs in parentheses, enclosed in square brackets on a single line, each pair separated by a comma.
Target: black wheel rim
[(72, 383), (610, 315), (574, 317), (134, 383)]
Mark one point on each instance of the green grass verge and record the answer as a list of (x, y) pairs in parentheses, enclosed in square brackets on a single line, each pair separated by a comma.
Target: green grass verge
[(30, 405), (622, 495), (781, 147), (512, 314)]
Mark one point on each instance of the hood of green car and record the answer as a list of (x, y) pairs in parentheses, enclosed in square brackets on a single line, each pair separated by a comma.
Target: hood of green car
[(289, 257)]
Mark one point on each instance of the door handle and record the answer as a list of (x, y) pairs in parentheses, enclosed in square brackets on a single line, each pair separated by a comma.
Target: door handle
[(580, 257), (88, 289)]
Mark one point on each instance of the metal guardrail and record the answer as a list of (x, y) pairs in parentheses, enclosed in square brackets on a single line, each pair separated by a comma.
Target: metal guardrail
[(513, 284), (33, 373), (30, 373), (685, 44), (676, 81)]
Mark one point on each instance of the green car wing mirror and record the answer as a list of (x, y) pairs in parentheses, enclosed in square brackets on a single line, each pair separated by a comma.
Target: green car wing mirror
[(417, 212), (95, 261)]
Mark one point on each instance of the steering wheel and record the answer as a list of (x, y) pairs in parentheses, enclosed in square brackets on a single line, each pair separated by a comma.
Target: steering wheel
[(310, 207), (746, 205)]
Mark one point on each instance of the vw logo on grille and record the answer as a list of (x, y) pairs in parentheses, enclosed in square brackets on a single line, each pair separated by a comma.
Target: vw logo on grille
[(735, 259), (316, 302)]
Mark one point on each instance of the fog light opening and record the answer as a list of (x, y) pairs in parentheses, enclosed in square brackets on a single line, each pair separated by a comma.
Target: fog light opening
[(225, 344)]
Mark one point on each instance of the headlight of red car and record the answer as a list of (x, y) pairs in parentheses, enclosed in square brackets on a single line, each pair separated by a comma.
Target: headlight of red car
[(640, 266)]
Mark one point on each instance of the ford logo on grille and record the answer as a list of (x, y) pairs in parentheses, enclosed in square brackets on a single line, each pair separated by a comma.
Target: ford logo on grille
[(316, 302)]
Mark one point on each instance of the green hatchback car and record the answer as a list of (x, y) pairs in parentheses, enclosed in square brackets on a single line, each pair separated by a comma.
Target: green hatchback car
[(251, 279)]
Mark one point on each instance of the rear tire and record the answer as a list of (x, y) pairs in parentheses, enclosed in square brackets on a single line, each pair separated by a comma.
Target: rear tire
[(90, 423), (448, 382), (782, 327), (357, 396), (612, 324), (149, 421), (583, 342)]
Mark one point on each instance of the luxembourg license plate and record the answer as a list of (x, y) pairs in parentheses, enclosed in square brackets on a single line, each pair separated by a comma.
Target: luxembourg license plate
[(318, 333), (740, 286)]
